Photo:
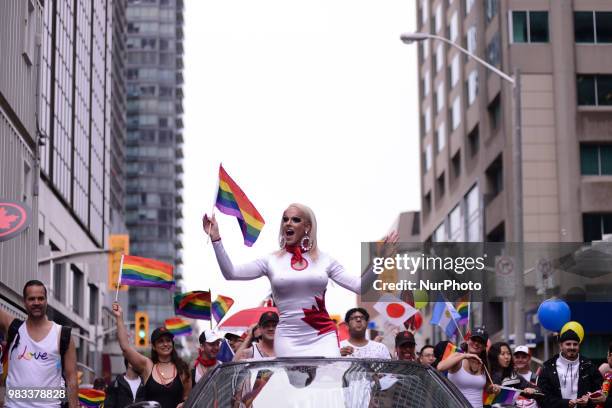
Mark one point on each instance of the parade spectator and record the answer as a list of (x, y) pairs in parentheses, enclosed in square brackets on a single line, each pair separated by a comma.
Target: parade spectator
[(501, 368), (467, 370), (606, 367), (405, 346), (567, 379), (357, 345), (299, 273), (99, 384), (522, 364), (210, 344), (606, 371), (234, 341), (165, 375), (265, 347), (38, 336), (426, 355), (125, 390)]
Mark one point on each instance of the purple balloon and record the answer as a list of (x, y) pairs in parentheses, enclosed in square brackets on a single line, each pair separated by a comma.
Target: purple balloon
[(553, 314)]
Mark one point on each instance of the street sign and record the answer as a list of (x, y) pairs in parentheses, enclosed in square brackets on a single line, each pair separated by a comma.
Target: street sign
[(119, 245), (544, 271), (504, 276), (14, 218)]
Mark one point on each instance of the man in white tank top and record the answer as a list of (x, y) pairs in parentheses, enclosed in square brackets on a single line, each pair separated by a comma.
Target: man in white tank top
[(265, 347), (34, 360)]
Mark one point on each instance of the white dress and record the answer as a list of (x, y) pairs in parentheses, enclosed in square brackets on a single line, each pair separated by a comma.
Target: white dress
[(304, 328)]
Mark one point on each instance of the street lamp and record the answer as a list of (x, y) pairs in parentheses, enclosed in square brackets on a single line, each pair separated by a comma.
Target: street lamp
[(517, 173)]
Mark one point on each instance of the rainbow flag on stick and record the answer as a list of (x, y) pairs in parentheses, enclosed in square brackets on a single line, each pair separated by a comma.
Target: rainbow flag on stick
[(88, 397), (450, 350), (178, 326), (232, 201), (220, 307), (507, 396), (463, 309), (137, 271), (195, 305)]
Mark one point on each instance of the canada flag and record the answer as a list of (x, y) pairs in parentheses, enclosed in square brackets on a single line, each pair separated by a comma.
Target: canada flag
[(394, 310)]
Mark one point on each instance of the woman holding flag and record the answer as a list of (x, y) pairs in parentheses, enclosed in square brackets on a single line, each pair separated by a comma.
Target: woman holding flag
[(165, 375), (298, 273)]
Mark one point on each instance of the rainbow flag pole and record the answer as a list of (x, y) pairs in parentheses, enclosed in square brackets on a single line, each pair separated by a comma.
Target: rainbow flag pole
[(119, 279), (210, 291)]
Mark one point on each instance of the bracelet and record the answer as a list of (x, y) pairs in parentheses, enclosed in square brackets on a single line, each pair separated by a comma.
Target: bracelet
[(216, 240)]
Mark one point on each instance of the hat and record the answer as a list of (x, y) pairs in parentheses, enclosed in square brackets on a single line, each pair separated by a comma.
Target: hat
[(209, 336), (404, 337), (268, 317), (481, 333), (159, 332), (569, 335), (231, 336), (522, 349)]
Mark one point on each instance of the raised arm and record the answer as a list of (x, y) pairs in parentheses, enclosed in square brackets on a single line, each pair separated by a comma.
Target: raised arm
[(140, 363)]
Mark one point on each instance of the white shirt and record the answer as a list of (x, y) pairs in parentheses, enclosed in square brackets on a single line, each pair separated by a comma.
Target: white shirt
[(568, 372), (527, 375), (372, 349), (34, 365), (134, 384)]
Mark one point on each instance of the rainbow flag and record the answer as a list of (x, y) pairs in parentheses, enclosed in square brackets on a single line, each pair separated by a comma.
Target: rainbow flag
[(195, 305), (88, 397), (507, 396), (232, 201), (450, 350), (178, 326), (221, 306), (137, 271), (464, 311)]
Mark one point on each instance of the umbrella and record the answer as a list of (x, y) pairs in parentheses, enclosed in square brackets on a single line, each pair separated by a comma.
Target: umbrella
[(245, 318)]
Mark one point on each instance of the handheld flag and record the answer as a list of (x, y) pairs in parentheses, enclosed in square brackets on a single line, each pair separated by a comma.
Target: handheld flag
[(394, 310), (225, 352), (232, 201), (195, 305), (507, 396), (220, 307), (450, 350), (90, 398), (445, 316), (178, 326), (137, 271), (463, 309)]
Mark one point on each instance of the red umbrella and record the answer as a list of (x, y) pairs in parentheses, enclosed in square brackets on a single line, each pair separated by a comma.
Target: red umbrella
[(246, 317)]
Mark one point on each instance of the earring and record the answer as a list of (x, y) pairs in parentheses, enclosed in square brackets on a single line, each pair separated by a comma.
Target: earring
[(282, 242), (306, 243)]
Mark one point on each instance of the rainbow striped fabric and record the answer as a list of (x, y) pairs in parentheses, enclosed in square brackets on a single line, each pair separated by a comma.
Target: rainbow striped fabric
[(178, 326), (195, 305), (137, 271), (507, 396), (220, 307), (88, 397), (463, 309), (232, 201), (450, 350)]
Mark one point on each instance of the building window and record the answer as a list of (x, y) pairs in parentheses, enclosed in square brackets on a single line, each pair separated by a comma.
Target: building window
[(439, 58), (595, 226), (473, 142), (472, 87), (471, 39), (454, 71), (426, 84), (596, 159), (439, 234), (440, 97), (424, 11), (529, 27), (428, 158), (438, 20), (494, 51), (454, 27), (456, 165), (427, 203), (593, 26), (425, 49), (455, 224), (491, 9), (441, 137), (427, 120), (468, 6), (77, 290), (494, 110), (472, 211), (594, 90), (495, 177), (456, 113), (93, 304), (440, 186)]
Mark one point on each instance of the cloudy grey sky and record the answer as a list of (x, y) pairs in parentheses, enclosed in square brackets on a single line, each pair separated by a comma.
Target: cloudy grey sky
[(303, 101)]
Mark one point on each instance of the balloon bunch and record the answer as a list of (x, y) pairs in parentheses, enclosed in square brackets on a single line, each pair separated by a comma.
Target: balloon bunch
[(555, 315)]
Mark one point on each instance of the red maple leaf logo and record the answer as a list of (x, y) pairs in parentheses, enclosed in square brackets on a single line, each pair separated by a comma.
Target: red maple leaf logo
[(5, 219), (318, 318)]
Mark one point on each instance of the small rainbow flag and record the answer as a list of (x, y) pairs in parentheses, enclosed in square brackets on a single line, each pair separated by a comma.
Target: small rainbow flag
[(195, 305), (232, 201), (464, 311), (221, 306), (88, 397), (178, 326), (137, 271), (507, 396), (450, 350)]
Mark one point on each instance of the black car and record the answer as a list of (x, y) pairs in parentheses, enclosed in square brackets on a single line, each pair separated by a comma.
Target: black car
[(325, 382)]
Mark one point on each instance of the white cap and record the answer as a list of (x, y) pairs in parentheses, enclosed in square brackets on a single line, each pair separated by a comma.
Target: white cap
[(522, 349), (210, 336)]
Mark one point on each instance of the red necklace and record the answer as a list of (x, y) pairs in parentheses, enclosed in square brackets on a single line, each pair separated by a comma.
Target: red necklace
[(298, 262)]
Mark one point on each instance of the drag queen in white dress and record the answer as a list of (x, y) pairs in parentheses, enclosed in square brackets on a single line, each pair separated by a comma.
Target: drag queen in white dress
[(298, 274)]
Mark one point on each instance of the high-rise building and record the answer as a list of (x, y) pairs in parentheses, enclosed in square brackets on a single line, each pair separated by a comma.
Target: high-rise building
[(562, 51), (154, 142)]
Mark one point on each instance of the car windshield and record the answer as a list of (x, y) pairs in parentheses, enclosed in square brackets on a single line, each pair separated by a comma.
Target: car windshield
[(324, 383)]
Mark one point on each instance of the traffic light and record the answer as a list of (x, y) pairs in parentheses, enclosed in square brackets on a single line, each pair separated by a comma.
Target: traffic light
[(142, 329)]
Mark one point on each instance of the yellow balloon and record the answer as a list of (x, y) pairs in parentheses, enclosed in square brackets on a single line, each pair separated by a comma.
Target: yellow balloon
[(576, 327), (420, 299)]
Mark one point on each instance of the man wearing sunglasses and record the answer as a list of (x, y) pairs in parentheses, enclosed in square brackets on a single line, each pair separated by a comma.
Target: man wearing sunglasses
[(357, 345)]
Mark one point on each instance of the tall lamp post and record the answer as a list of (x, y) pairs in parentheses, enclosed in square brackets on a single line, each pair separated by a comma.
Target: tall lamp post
[(517, 175)]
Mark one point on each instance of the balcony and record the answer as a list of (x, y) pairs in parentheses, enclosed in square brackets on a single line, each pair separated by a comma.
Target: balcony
[(178, 169), (178, 184), (178, 153)]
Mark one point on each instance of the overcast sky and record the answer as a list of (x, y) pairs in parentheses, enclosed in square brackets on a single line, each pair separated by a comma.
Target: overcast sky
[(303, 101)]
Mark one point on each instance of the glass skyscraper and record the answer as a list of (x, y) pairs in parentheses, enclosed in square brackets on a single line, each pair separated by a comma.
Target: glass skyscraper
[(154, 143)]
